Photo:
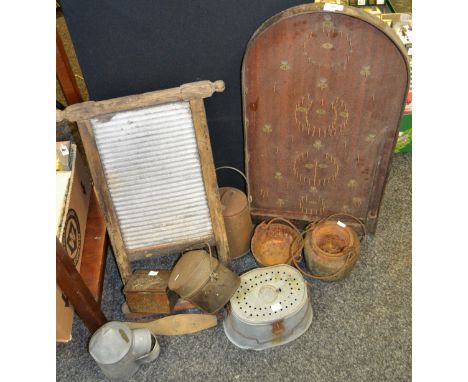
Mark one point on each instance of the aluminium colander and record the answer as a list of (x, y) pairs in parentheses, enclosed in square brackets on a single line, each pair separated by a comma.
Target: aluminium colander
[(271, 307)]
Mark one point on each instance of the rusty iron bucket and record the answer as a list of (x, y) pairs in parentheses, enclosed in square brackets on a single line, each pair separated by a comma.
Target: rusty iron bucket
[(331, 248), (201, 279), (237, 220), (274, 243)]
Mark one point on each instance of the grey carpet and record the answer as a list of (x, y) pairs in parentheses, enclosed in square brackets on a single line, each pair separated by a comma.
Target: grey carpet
[(361, 329)]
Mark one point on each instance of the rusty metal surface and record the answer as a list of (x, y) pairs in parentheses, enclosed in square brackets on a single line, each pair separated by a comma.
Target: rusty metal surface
[(331, 251), (203, 280), (152, 168), (323, 94), (147, 292), (237, 220), (271, 243)]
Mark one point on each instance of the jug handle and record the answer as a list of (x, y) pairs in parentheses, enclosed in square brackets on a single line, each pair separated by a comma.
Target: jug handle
[(152, 355), (249, 198)]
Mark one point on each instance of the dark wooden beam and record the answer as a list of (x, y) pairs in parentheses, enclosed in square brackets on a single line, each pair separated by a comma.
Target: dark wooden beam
[(65, 74), (71, 283), (93, 260)]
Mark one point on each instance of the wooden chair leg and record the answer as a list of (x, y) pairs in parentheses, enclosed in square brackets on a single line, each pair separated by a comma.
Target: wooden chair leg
[(71, 283), (65, 75)]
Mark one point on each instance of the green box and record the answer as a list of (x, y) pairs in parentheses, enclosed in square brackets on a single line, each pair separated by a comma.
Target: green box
[(404, 142)]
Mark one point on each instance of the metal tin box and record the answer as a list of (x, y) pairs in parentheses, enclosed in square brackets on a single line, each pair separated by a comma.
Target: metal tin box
[(201, 279), (147, 292)]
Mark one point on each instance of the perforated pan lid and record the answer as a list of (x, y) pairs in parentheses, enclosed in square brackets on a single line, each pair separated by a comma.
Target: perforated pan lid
[(269, 294)]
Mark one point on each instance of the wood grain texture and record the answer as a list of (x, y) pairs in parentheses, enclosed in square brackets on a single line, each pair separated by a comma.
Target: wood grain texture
[(93, 260), (90, 109), (177, 325), (71, 283), (180, 307), (123, 254), (170, 248), (323, 94), (209, 177), (65, 74), (104, 199)]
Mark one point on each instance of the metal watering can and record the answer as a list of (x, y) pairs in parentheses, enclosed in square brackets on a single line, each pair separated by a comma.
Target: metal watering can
[(237, 220), (119, 350)]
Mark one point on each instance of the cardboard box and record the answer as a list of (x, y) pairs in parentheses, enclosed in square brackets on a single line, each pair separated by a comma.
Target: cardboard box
[(62, 156), (71, 228)]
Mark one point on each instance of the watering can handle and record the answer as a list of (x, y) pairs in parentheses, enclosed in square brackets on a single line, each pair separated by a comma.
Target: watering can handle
[(239, 172), (152, 355)]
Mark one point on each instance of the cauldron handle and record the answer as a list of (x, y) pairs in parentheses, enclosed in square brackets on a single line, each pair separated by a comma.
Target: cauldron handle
[(239, 172), (285, 221), (342, 214)]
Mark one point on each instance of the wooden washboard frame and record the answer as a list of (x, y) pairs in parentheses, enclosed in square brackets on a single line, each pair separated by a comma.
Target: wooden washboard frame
[(193, 93)]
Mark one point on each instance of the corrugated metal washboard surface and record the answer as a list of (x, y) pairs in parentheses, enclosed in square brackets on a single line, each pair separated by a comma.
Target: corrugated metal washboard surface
[(152, 168)]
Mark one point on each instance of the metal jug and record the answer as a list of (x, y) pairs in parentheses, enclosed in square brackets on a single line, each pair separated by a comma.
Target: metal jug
[(237, 220), (119, 351)]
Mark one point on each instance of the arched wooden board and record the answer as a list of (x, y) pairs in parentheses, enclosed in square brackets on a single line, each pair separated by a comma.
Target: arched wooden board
[(323, 94)]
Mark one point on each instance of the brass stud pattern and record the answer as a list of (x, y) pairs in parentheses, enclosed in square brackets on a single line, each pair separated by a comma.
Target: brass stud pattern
[(267, 129), (285, 65), (365, 71), (318, 144), (370, 138)]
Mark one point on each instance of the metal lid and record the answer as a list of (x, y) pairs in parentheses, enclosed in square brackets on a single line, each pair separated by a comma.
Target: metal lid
[(233, 201), (110, 343), (191, 272), (269, 294)]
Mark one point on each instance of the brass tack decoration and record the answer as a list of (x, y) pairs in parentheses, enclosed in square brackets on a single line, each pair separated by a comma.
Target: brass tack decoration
[(267, 129), (365, 71), (285, 66)]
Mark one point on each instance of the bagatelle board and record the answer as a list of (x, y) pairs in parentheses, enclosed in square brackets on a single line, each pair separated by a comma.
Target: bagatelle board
[(323, 94)]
